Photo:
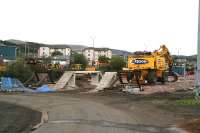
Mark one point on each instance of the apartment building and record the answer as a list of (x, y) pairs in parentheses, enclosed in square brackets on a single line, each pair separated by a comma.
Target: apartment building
[(46, 51), (64, 49), (43, 52), (64, 59), (92, 54)]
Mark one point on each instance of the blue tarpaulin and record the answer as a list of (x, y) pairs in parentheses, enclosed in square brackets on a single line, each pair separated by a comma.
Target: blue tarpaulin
[(45, 88), (11, 84), (6, 83)]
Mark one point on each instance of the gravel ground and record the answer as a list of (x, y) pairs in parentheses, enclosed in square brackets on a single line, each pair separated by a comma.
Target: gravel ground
[(107, 111), (17, 119)]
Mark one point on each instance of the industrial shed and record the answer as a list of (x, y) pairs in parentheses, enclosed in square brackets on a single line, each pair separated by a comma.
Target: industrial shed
[(7, 52)]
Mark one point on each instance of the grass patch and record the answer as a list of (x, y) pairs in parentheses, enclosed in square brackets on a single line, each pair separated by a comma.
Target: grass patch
[(188, 102)]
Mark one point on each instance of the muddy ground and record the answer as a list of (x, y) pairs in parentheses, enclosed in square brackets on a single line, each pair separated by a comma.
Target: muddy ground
[(17, 119), (159, 109), (158, 102), (156, 110)]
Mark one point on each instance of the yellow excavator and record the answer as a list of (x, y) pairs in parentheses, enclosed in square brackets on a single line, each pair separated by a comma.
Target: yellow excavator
[(149, 67)]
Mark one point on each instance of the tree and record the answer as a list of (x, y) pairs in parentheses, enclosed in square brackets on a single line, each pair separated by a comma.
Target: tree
[(79, 59), (117, 63), (103, 59), (19, 70), (57, 53)]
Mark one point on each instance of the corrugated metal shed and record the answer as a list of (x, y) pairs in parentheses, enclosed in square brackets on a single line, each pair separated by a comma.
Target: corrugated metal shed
[(8, 52)]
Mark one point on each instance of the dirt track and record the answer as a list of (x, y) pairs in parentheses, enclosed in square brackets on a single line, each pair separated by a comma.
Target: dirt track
[(17, 119), (107, 112), (112, 110)]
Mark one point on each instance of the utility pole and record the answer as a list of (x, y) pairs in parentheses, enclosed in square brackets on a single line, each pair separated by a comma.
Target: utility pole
[(198, 56), (25, 50), (93, 60), (178, 51), (93, 38), (28, 50)]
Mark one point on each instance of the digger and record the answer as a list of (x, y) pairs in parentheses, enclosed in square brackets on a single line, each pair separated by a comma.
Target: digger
[(149, 67)]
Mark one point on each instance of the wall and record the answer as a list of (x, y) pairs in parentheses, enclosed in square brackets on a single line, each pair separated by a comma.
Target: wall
[(93, 55), (8, 53)]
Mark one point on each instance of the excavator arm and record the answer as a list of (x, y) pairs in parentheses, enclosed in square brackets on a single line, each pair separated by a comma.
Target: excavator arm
[(164, 52)]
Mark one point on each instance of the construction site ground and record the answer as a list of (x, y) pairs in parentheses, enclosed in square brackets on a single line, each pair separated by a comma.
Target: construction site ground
[(17, 119), (111, 110)]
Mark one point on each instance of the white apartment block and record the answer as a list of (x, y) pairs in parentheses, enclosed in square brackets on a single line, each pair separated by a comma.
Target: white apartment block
[(49, 49), (92, 54), (44, 52), (64, 51)]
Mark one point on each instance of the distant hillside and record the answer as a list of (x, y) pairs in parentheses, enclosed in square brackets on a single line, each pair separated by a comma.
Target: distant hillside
[(120, 52), (191, 58), (20, 43), (17, 42), (77, 48)]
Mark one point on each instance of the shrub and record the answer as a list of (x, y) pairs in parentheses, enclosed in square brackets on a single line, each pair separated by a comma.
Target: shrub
[(117, 63), (19, 70)]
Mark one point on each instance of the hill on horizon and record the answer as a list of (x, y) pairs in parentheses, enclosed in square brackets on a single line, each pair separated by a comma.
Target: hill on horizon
[(75, 47)]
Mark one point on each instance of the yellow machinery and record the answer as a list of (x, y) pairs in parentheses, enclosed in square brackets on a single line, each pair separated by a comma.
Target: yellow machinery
[(2, 65), (90, 68), (150, 66), (2, 68), (76, 67)]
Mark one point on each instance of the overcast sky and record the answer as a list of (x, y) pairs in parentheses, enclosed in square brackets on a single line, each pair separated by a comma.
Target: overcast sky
[(122, 24)]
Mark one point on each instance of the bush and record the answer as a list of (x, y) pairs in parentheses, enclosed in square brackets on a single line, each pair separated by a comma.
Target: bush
[(80, 59), (103, 59), (117, 63), (19, 70)]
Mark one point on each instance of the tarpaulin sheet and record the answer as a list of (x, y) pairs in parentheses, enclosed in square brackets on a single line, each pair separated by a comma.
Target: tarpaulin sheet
[(12, 84), (45, 88), (8, 83)]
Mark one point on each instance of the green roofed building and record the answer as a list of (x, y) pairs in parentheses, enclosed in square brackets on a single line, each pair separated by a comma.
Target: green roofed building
[(7, 52)]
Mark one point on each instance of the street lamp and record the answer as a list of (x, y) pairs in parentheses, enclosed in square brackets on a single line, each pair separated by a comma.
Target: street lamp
[(93, 38), (93, 58)]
